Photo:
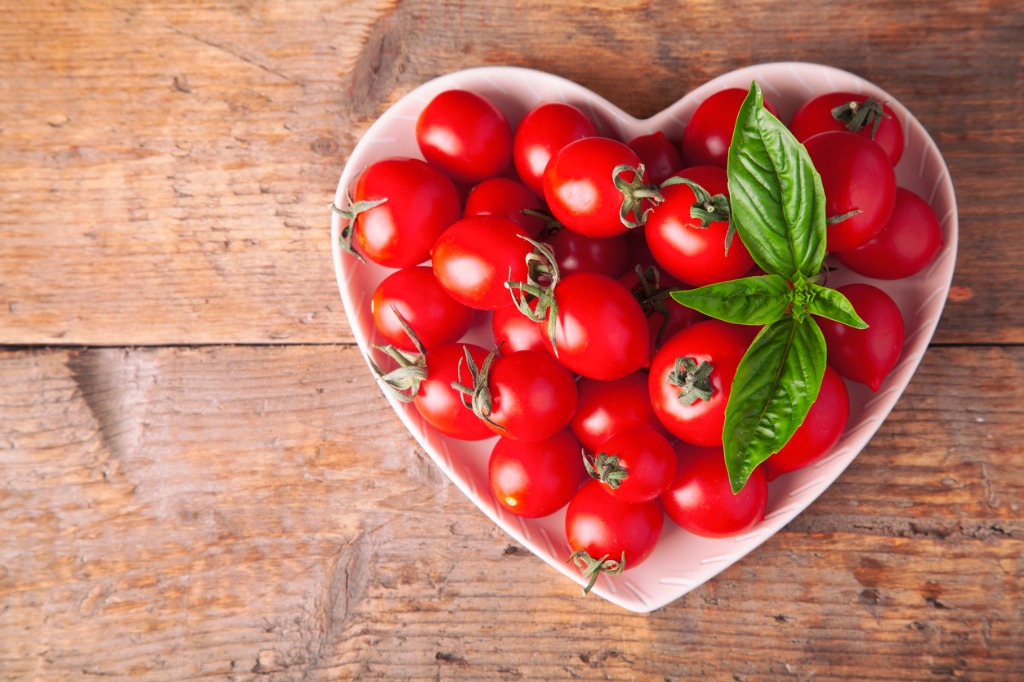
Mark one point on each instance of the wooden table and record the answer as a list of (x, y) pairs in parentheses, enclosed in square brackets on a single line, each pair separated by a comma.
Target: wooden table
[(199, 478)]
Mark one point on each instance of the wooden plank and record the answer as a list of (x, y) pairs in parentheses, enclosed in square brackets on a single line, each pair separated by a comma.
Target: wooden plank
[(168, 175), (258, 513), (166, 167)]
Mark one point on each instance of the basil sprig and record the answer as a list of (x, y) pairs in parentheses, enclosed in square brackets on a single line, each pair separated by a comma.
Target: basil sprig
[(778, 209)]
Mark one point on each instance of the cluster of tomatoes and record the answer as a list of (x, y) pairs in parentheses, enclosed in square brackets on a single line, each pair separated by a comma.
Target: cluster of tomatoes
[(607, 396)]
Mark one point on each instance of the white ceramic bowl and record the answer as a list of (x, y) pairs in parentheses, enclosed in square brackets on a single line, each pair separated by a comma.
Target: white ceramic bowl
[(681, 561)]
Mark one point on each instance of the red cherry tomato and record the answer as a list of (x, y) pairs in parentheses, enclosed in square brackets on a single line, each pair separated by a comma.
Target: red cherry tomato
[(659, 155), (575, 252), (543, 131), (601, 330), (816, 116), (857, 176), (700, 499), (441, 405), (609, 530), (474, 258), (580, 190), (530, 395), (820, 431), (514, 331), (865, 355), (909, 241), (414, 294), (509, 199), (708, 133), (635, 465), (465, 135), (608, 407), (693, 254), (639, 251), (691, 378), (419, 203), (538, 478)]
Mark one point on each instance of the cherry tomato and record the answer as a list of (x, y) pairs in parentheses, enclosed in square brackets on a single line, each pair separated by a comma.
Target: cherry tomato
[(691, 378), (474, 258), (857, 176), (441, 405), (413, 293), (528, 394), (659, 155), (506, 198), (608, 407), (538, 478), (664, 315), (708, 133), (575, 252), (419, 203), (600, 330), (694, 254), (514, 331), (909, 241), (465, 135), (606, 534), (635, 465), (580, 190), (865, 355), (639, 251), (816, 116), (820, 431), (543, 131), (700, 499)]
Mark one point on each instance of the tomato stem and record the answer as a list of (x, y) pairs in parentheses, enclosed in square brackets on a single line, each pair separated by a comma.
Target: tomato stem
[(634, 193), (592, 568), (652, 297), (606, 468), (478, 390), (707, 208), (693, 380), (535, 298), (404, 381), (350, 213), (856, 115)]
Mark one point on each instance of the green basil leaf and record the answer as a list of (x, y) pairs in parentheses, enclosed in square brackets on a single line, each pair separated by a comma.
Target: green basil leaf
[(776, 383), (778, 204), (827, 302), (750, 300)]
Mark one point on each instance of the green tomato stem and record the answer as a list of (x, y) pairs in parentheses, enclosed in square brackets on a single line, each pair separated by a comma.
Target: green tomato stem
[(693, 380), (592, 568)]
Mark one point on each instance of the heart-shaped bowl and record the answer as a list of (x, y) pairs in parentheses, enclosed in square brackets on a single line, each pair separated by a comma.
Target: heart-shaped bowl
[(681, 561)]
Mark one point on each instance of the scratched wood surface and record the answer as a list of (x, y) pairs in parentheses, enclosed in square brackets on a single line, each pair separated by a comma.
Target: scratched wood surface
[(200, 480)]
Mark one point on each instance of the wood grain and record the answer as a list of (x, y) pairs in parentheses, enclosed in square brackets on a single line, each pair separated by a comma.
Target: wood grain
[(199, 479), (240, 512), (166, 167)]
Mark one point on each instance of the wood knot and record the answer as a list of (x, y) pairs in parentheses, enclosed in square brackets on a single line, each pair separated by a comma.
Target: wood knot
[(324, 146)]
